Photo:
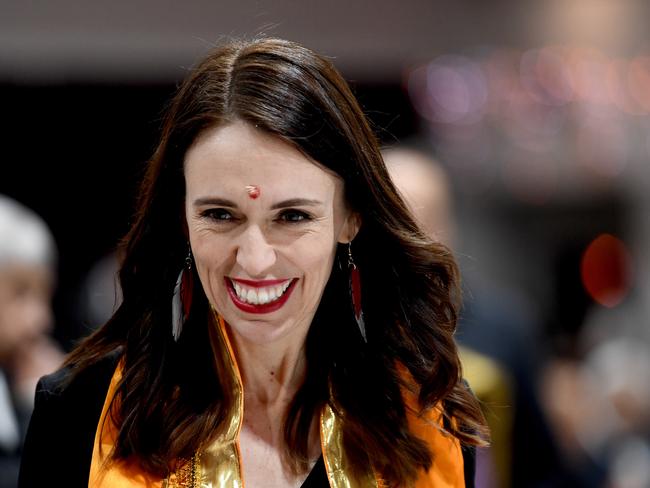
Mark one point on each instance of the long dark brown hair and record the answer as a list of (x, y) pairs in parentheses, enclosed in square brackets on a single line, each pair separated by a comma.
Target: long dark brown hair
[(410, 285)]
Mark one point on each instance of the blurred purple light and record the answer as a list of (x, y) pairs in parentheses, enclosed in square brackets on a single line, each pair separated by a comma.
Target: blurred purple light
[(533, 116), (449, 90)]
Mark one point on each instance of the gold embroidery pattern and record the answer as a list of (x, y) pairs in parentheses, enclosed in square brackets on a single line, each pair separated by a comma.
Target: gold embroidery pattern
[(220, 465), (336, 462), (187, 476)]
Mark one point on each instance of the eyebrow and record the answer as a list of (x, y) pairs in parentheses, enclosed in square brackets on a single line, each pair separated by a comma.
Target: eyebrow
[(199, 202), (296, 202), (292, 202)]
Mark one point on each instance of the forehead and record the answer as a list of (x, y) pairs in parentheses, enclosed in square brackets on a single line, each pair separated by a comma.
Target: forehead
[(231, 157)]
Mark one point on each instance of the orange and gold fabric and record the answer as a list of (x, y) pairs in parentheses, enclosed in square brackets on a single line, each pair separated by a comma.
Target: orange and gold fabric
[(219, 466)]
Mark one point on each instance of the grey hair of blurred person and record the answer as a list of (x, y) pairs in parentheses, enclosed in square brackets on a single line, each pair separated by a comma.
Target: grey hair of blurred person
[(24, 236)]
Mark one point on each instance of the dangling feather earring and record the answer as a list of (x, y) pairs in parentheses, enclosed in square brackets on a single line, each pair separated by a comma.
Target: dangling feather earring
[(182, 297), (355, 293)]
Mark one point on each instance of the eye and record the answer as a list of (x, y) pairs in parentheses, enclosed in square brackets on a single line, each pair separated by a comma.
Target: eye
[(218, 214), (293, 216)]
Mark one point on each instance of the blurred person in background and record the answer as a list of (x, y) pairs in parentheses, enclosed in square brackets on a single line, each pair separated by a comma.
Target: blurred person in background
[(425, 188), (496, 331), (27, 276), (598, 399)]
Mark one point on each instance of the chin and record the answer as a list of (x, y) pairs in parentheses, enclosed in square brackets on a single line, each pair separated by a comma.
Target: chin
[(258, 331)]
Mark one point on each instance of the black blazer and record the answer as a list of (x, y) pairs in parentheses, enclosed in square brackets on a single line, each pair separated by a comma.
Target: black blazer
[(61, 434)]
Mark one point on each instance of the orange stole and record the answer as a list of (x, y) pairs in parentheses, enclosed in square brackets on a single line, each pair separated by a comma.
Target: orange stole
[(114, 475), (446, 471)]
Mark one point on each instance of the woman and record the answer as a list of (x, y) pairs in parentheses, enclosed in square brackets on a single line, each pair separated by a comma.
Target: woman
[(284, 320)]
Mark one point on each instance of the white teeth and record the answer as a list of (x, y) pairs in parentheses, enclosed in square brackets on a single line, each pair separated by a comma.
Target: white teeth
[(260, 296), (272, 294), (251, 297)]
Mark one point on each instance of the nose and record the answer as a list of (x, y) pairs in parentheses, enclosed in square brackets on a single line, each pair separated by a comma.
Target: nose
[(255, 254)]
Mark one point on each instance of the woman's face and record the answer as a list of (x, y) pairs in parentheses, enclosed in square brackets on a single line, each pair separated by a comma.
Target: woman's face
[(264, 222), (25, 310)]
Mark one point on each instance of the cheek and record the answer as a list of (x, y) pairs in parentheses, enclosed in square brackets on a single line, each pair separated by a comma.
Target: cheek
[(317, 264), (210, 260)]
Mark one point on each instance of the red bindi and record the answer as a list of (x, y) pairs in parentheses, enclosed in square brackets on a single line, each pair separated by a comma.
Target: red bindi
[(253, 191)]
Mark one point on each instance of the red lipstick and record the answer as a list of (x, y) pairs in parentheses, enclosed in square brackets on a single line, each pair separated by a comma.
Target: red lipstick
[(261, 308), (258, 283)]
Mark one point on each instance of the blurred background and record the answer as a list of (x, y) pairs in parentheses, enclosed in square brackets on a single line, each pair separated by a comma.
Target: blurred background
[(535, 114)]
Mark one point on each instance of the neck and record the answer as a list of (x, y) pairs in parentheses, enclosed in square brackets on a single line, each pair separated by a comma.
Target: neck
[(271, 373)]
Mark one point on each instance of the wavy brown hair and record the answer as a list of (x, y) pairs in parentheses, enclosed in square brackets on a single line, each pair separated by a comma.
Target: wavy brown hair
[(410, 284)]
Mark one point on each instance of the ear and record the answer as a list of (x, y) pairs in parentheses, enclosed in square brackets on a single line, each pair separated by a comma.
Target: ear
[(350, 227)]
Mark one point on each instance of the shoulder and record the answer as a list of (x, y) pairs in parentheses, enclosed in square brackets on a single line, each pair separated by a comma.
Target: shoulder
[(66, 413), (67, 385)]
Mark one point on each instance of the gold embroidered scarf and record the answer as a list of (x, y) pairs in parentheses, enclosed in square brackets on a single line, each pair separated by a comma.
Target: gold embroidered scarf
[(219, 466)]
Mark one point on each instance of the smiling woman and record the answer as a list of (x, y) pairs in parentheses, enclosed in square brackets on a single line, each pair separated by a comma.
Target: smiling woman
[(245, 347)]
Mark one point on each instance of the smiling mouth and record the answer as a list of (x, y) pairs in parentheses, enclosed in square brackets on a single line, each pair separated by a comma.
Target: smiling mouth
[(259, 296)]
